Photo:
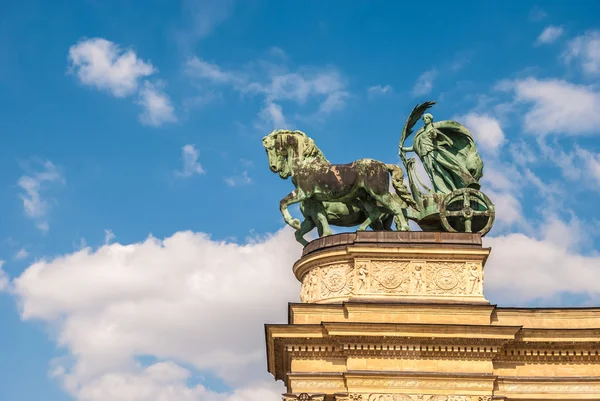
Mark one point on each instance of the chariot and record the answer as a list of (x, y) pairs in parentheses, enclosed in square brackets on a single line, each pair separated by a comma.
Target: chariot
[(455, 203)]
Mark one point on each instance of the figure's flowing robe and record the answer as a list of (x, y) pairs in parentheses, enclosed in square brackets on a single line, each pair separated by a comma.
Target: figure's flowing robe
[(451, 159)]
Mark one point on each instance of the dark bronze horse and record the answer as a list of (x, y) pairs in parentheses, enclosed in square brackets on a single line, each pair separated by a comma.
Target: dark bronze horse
[(364, 182)]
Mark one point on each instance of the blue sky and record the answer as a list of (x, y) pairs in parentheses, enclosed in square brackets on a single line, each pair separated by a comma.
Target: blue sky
[(138, 209)]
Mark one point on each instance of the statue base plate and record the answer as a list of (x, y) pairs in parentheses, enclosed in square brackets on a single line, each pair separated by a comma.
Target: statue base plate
[(386, 266)]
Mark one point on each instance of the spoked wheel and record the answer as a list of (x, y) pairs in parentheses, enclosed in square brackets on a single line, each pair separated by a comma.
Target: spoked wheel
[(467, 210)]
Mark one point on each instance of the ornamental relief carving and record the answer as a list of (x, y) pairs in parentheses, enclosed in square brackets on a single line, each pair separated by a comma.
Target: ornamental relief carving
[(389, 277), (336, 280), (446, 278), (392, 277), (411, 397)]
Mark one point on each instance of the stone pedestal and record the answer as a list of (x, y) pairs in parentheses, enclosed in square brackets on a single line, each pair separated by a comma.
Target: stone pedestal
[(393, 267), (402, 317)]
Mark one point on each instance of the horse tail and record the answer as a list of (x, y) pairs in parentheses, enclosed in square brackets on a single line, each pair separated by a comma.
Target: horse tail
[(399, 187)]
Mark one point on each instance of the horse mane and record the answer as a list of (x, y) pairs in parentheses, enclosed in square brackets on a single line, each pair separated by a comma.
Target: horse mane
[(305, 147)]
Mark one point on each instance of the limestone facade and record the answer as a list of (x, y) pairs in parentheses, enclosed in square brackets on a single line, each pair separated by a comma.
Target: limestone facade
[(371, 328)]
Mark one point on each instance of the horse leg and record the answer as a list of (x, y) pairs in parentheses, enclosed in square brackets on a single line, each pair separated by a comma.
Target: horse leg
[(305, 227), (387, 200), (323, 223), (387, 223), (373, 215), (293, 197)]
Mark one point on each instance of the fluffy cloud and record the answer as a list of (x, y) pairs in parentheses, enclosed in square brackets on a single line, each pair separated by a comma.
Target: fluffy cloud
[(486, 130), (156, 104), (379, 90), (21, 254), (576, 164), (103, 64), (503, 183), (424, 83), (238, 180), (184, 301), (524, 269), (4, 282), (190, 155), (537, 14), (585, 49), (161, 381), (557, 106), (549, 35), (276, 84), (35, 206)]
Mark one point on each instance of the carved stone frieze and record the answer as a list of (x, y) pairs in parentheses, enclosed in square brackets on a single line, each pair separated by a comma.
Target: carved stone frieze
[(391, 278), (410, 397), (303, 397)]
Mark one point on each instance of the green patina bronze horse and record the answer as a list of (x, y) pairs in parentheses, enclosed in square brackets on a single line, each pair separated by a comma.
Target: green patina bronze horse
[(363, 183)]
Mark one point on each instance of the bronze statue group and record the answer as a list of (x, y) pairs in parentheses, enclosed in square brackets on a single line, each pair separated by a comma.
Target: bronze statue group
[(358, 193)]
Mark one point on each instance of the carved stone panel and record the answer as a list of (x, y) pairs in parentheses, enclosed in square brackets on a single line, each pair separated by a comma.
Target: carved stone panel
[(446, 278), (389, 277), (392, 278)]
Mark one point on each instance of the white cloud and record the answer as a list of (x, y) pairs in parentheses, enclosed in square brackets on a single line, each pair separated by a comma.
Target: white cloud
[(199, 68), (35, 206), (586, 50), (591, 165), (503, 184), (236, 181), (277, 85), (557, 106), (4, 281), (159, 382), (537, 14), (21, 254), (522, 153), (486, 130), (183, 301), (108, 236), (103, 64), (157, 105), (549, 35), (523, 269), (272, 114), (189, 155), (424, 83), (378, 90)]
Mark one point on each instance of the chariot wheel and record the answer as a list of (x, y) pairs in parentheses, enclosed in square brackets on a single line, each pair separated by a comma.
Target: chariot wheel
[(467, 210)]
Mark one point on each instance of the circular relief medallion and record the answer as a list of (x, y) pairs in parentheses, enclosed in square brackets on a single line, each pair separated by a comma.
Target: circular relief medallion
[(446, 279), (390, 278), (303, 397), (335, 281)]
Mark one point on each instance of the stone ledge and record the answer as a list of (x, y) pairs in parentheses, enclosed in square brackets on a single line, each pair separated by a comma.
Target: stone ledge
[(396, 239)]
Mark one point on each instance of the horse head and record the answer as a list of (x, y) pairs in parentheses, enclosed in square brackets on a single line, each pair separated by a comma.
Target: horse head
[(277, 154), (285, 147)]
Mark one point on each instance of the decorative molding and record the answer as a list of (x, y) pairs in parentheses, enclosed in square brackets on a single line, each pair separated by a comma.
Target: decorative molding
[(419, 383), (319, 384), (409, 397), (549, 387)]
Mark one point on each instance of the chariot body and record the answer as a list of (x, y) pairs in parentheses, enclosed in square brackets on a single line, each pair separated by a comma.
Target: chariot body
[(450, 159)]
